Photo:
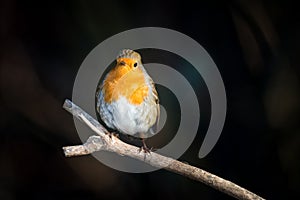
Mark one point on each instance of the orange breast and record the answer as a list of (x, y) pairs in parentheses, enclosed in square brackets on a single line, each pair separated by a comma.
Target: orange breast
[(127, 82)]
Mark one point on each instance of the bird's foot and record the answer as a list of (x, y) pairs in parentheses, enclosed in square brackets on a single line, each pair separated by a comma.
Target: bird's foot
[(112, 134), (145, 149)]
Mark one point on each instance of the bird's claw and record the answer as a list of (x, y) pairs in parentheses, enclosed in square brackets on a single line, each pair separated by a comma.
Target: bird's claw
[(112, 134), (145, 149)]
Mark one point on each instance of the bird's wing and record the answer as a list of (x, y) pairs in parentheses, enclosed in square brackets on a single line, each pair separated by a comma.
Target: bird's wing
[(154, 128)]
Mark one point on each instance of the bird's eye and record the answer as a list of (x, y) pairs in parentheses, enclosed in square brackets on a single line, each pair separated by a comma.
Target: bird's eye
[(135, 64)]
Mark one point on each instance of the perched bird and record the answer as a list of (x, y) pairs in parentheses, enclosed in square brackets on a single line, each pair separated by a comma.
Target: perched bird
[(127, 100)]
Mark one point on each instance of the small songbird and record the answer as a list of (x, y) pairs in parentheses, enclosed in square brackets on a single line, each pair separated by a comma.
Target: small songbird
[(127, 100)]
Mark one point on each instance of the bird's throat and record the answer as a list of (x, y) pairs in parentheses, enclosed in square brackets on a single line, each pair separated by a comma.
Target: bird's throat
[(130, 84)]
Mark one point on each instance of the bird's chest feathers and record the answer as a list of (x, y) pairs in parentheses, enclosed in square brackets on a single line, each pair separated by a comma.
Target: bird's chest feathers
[(130, 84)]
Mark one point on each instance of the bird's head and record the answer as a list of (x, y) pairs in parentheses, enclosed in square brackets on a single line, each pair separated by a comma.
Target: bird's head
[(128, 60), (126, 78)]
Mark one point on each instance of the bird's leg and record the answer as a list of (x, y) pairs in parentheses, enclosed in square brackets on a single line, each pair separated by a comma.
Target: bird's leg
[(144, 147)]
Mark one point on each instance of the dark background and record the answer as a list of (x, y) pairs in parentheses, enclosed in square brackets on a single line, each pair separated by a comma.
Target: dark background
[(255, 45)]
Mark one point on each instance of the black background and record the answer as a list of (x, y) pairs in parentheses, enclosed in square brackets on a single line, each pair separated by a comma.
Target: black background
[(255, 45)]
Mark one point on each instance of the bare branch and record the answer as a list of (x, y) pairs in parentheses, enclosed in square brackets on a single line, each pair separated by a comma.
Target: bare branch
[(104, 142)]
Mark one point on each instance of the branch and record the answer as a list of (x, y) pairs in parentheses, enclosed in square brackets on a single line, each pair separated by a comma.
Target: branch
[(104, 142)]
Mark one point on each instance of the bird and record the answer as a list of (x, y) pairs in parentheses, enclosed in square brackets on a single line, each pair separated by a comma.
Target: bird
[(127, 100)]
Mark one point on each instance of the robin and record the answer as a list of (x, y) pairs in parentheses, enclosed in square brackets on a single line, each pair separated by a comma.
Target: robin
[(127, 100)]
